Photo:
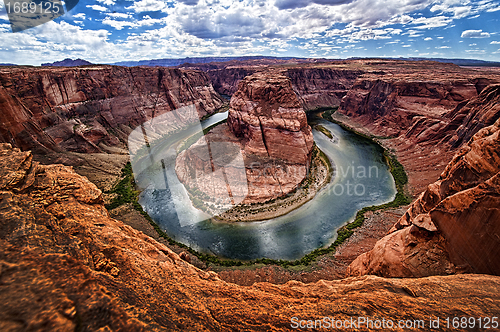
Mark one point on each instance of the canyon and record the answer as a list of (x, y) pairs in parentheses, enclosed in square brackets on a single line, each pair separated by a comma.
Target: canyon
[(440, 120)]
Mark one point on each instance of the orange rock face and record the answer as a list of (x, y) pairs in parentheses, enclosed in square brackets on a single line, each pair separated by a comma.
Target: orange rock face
[(453, 226), (93, 108), (66, 266), (267, 114)]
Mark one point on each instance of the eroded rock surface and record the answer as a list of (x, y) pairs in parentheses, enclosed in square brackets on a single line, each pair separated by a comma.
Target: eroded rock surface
[(65, 265)]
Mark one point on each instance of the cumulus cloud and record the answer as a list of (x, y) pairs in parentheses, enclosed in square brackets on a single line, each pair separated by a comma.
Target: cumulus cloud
[(148, 6), (475, 34), (107, 2), (495, 42), (98, 8), (119, 24)]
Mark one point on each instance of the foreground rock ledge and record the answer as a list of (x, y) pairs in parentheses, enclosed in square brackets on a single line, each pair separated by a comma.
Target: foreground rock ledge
[(65, 265)]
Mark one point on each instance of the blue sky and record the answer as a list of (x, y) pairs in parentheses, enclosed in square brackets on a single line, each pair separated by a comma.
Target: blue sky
[(105, 31)]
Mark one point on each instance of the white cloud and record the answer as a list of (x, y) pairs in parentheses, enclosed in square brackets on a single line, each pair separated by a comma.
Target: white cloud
[(475, 34), (457, 11), (118, 25), (98, 8), (119, 15), (442, 47), (431, 22), (79, 16), (428, 38), (148, 6), (107, 2), (493, 9), (495, 42)]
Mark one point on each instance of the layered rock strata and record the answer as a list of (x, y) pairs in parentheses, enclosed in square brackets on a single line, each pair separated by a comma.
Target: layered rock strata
[(322, 86), (266, 113), (418, 108), (454, 225), (66, 266), (268, 131), (94, 108)]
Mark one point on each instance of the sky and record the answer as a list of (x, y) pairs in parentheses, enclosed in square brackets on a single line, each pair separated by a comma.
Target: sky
[(107, 31)]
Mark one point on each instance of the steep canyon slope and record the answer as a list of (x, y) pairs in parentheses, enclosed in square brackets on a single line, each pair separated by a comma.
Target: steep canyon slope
[(453, 225), (54, 223), (65, 265), (93, 109)]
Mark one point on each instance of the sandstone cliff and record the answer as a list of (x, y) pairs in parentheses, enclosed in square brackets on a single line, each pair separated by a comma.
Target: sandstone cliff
[(453, 225), (93, 109), (417, 107), (322, 86)]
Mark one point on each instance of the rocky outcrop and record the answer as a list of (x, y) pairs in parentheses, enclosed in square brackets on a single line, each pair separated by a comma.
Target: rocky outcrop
[(93, 109), (65, 265), (478, 113), (266, 113), (453, 225), (264, 150)]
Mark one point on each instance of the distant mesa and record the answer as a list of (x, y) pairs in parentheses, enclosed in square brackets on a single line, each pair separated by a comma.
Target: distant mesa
[(68, 63), (192, 62)]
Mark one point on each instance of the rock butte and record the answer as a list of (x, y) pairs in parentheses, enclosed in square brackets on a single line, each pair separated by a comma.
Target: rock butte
[(268, 125)]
